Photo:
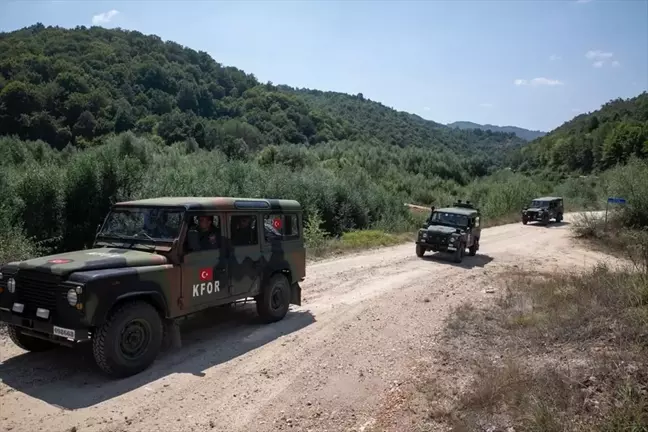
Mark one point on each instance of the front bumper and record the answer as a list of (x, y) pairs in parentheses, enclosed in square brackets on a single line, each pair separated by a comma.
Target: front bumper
[(44, 329), (533, 216), (436, 247)]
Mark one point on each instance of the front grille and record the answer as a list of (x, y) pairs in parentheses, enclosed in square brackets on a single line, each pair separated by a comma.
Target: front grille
[(38, 290), (438, 239)]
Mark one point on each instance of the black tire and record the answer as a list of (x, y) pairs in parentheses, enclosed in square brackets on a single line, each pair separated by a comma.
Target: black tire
[(472, 250), (524, 221), (28, 343), (545, 219), (459, 253), (129, 321), (559, 217), (273, 302), (420, 251)]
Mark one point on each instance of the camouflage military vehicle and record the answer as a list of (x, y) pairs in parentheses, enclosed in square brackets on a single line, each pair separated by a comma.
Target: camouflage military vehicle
[(451, 229), (154, 261), (543, 209)]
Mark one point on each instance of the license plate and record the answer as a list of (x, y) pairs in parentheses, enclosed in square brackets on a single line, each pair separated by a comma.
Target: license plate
[(63, 332)]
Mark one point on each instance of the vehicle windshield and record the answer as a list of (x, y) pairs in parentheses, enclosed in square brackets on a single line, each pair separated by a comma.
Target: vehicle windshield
[(452, 219), (143, 223), (539, 204)]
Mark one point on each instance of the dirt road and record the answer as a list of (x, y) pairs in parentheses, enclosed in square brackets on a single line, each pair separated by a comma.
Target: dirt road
[(328, 366)]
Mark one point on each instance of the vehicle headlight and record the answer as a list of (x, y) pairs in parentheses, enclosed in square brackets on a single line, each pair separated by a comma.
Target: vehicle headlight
[(424, 235), (1, 275), (72, 297), (11, 285)]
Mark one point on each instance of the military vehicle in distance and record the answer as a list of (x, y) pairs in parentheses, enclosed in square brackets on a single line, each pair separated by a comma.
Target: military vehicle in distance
[(153, 262), (543, 209), (451, 229)]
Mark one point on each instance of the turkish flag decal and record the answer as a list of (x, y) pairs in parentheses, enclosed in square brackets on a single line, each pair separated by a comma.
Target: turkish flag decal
[(206, 274)]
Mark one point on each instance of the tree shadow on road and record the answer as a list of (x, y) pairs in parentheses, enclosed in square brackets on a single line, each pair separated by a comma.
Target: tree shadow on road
[(468, 262), (69, 378)]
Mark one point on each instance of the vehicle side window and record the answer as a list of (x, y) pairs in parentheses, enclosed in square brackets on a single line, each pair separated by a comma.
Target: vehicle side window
[(292, 226), (243, 229), (204, 232), (280, 227)]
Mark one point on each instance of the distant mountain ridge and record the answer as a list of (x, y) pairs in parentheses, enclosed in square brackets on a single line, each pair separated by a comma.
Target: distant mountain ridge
[(525, 134)]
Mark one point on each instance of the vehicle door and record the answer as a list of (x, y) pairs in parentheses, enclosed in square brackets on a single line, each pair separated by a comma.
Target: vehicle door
[(245, 262), (205, 280)]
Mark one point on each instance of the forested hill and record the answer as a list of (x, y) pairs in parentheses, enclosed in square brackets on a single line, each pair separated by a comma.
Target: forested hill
[(525, 134), (77, 86), (591, 142)]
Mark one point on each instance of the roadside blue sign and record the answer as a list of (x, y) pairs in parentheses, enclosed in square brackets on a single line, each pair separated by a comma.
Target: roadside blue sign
[(614, 200)]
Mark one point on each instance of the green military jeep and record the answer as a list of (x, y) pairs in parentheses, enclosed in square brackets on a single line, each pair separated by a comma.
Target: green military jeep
[(154, 261), (451, 229), (543, 209)]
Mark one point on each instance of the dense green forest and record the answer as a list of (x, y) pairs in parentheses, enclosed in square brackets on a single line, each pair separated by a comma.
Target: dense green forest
[(93, 116), (77, 86), (591, 142), (525, 134)]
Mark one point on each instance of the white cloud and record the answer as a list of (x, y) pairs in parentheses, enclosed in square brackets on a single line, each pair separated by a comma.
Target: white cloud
[(486, 105), (426, 108), (601, 58), (598, 55), (541, 81), (554, 57), (104, 17)]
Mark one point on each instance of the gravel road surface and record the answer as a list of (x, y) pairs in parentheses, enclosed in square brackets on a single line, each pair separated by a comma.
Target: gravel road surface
[(328, 366)]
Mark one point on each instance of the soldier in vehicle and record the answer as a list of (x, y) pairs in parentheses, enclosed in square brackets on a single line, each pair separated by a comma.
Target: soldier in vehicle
[(207, 232), (242, 232)]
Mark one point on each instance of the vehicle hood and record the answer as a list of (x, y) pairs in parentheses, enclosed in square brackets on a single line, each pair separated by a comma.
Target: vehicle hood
[(441, 229), (535, 209), (92, 259)]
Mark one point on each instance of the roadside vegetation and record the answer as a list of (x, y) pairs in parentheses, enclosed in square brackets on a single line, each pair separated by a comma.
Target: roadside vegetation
[(557, 352)]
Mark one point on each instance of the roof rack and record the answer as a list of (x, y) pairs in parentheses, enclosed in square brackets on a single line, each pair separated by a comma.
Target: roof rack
[(460, 204)]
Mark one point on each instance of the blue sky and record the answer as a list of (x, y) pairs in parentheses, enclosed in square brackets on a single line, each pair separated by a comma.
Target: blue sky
[(533, 64)]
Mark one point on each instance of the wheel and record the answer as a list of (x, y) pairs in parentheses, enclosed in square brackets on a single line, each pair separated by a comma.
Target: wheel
[(274, 300), (524, 221), (472, 250), (129, 341), (459, 253), (545, 219), (420, 251), (559, 217), (28, 343)]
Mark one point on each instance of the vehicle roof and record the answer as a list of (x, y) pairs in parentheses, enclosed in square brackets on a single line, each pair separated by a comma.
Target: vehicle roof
[(458, 210), (547, 198), (215, 203)]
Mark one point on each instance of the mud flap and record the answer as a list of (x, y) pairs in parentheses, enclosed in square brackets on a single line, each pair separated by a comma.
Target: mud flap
[(172, 338), (295, 294)]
